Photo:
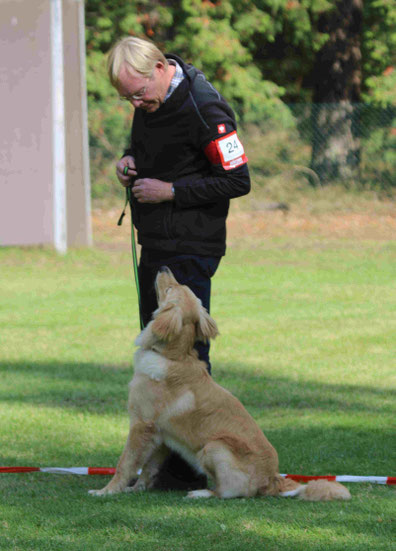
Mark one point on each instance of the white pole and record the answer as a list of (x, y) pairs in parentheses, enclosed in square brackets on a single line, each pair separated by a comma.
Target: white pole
[(81, 25), (58, 128)]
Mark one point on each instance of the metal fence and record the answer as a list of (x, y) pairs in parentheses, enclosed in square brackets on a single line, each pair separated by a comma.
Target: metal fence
[(354, 144), (349, 142)]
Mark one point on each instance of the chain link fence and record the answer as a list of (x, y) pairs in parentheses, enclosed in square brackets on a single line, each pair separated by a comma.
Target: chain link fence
[(353, 144)]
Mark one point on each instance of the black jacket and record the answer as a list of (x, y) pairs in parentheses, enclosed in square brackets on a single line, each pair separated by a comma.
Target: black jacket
[(179, 143)]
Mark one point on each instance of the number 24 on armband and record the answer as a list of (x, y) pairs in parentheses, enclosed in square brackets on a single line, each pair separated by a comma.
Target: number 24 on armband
[(231, 151)]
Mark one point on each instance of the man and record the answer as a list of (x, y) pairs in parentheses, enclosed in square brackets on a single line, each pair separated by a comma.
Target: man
[(185, 162)]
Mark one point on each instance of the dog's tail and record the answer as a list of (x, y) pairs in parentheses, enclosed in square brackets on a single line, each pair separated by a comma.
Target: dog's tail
[(315, 490)]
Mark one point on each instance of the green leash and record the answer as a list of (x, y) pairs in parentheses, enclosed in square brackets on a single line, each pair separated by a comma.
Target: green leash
[(134, 255)]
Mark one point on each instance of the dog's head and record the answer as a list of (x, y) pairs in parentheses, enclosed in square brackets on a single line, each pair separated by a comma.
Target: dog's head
[(180, 313)]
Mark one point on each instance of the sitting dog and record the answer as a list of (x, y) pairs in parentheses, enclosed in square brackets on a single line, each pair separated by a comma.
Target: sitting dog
[(174, 404)]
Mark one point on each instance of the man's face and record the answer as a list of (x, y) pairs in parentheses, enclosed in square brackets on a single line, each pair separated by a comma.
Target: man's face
[(142, 92)]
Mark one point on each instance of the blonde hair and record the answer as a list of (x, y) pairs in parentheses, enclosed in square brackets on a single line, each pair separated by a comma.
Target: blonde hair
[(140, 54)]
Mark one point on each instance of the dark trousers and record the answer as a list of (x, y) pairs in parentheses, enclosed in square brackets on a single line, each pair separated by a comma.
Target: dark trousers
[(195, 271)]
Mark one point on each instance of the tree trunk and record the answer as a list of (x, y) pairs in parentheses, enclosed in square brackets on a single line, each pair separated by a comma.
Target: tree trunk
[(337, 78)]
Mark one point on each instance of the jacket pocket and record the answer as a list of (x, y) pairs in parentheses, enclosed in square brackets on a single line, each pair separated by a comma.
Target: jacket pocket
[(151, 220), (206, 223)]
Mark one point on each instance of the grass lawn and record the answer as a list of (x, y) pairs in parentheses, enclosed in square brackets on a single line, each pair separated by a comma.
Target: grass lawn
[(307, 343)]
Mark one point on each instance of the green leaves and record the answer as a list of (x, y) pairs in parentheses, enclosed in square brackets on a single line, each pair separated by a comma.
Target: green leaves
[(379, 52), (259, 54), (277, 37)]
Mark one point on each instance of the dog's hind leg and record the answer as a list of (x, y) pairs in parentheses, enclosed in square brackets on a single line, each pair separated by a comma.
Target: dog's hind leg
[(141, 443), (218, 461)]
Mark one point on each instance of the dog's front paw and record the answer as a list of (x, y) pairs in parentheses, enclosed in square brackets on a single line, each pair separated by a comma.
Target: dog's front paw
[(196, 494), (103, 492), (139, 486)]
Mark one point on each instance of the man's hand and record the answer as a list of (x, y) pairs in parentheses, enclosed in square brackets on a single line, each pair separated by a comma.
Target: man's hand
[(126, 162), (151, 190)]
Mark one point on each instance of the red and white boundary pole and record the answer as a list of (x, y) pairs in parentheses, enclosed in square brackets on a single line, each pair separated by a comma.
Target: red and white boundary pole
[(344, 478), (390, 480), (60, 470)]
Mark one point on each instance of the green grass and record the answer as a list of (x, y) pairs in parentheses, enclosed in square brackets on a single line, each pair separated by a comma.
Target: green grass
[(307, 343)]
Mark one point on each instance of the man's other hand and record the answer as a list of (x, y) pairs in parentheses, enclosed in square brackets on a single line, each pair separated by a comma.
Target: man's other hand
[(124, 176), (151, 190)]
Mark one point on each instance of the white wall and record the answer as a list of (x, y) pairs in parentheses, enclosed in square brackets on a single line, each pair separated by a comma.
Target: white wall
[(44, 167)]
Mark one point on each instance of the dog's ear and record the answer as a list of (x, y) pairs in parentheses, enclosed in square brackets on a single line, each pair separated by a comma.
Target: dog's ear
[(146, 339), (168, 321), (206, 326)]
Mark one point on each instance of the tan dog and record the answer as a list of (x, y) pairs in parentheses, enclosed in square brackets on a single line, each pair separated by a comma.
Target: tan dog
[(175, 405)]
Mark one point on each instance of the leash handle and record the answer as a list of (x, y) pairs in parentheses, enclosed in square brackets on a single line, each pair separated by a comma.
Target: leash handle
[(133, 246)]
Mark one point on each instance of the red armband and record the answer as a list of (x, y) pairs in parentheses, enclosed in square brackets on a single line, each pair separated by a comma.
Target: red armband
[(227, 151)]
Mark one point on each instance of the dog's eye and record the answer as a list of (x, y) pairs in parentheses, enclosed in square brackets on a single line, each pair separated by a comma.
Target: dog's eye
[(168, 289)]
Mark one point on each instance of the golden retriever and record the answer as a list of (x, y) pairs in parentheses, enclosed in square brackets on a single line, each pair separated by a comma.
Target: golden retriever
[(174, 404)]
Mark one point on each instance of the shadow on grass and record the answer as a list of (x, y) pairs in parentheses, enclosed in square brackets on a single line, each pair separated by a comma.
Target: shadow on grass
[(313, 425), (74, 520), (85, 387), (101, 388), (165, 522), (264, 392)]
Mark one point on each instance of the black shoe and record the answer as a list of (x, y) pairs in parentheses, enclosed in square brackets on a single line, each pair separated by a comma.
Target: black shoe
[(177, 474)]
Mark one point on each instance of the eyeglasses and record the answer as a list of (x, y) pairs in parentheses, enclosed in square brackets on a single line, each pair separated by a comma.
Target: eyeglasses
[(139, 95)]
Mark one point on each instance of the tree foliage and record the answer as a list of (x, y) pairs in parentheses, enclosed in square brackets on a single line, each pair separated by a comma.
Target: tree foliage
[(260, 54), (379, 52), (254, 51)]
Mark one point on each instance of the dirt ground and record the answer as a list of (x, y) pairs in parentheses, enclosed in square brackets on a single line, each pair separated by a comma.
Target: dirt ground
[(255, 222), (353, 225)]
